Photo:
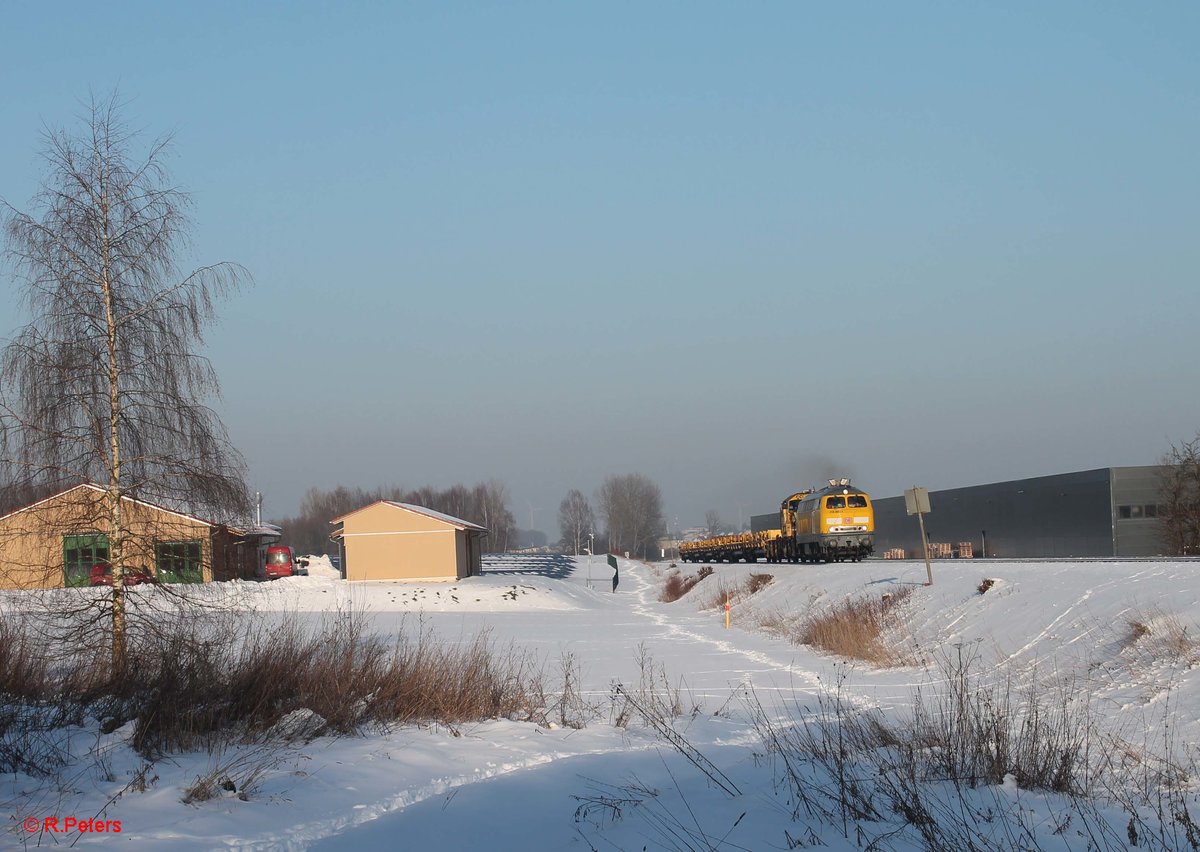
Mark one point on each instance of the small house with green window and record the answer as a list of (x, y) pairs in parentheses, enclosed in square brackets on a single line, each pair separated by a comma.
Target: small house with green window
[(56, 542)]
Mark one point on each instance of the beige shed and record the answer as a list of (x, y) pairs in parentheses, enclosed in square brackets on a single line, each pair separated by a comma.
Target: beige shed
[(399, 541), (56, 541)]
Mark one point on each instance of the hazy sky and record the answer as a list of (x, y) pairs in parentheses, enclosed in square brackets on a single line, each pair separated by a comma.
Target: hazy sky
[(736, 247)]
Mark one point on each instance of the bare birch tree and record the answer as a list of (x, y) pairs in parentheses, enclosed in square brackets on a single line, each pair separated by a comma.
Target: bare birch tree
[(575, 519), (104, 384)]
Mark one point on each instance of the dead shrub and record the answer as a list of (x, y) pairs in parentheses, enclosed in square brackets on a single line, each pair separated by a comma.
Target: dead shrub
[(980, 729), (856, 627), (1159, 635), (236, 775), (985, 584), (654, 699), (33, 708), (737, 593), (757, 582), (779, 624), (24, 671), (1138, 630), (678, 585), (197, 683), (881, 781)]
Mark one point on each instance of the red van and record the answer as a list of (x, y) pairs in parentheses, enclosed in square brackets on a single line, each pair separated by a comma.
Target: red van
[(280, 559)]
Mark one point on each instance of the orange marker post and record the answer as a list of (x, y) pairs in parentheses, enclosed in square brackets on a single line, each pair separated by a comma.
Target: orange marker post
[(726, 610)]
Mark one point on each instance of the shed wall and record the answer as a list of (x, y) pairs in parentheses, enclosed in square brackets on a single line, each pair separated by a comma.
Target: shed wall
[(385, 542), (31, 540)]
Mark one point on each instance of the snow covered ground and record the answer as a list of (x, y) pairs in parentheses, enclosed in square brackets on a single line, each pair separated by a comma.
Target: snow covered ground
[(1121, 632)]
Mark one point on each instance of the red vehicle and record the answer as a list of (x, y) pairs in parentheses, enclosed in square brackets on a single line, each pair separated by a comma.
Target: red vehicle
[(280, 562), (102, 575)]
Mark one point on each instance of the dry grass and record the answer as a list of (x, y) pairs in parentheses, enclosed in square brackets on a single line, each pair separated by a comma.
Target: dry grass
[(738, 593), (755, 583), (984, 585), (878, 779), (201, 683), (950, 776), (24, 670), (678, 585), (1159, 636), (236, 775), (856, 628)]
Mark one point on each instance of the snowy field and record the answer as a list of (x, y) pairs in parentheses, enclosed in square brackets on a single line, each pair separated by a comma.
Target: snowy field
[(1118, 634)]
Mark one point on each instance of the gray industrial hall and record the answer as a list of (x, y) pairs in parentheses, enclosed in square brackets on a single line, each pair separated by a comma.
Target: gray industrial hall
[(1108, 512)]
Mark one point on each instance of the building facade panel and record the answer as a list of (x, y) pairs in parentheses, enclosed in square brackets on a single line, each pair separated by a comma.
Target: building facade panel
[(1064, 515), (411, 555), (1136, 503)]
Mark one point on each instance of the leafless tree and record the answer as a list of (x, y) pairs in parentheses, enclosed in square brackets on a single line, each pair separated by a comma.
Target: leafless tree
[(1179, 517), (486, 504), (104, 384), (575, 519), (309, 529), (632, 509), (713, 523), (492, 501)]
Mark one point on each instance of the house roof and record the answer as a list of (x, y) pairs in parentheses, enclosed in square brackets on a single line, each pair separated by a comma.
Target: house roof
[(459, 523), (91, 486)]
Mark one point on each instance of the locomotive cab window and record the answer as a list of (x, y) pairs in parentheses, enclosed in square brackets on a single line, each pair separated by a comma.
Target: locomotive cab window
[(856, 501), (835, 503)]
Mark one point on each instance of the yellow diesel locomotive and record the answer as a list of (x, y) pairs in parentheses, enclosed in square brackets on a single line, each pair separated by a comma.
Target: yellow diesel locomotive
[(835, 523)]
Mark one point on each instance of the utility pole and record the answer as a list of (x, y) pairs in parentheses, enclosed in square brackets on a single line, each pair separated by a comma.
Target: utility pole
[(591, 547)]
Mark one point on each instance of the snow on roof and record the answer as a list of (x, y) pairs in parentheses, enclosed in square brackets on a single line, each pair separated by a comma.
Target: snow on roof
[(437, 516), (419, 510), (91, 486)]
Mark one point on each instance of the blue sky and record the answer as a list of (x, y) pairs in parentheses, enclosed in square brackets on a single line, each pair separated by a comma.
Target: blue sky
[(735, 247)]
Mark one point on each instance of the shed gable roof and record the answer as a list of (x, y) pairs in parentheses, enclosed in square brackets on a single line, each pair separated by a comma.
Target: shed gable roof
[(457, 523), (91, 486)]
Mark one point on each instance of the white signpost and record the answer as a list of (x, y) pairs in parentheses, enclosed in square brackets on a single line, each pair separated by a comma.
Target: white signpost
[(916, 501)]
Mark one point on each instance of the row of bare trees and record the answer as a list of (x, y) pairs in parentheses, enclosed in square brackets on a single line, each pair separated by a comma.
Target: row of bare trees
[(486, 504), (631, 506)]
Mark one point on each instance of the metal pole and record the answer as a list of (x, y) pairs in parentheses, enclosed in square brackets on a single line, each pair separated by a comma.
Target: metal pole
[(925, 544)]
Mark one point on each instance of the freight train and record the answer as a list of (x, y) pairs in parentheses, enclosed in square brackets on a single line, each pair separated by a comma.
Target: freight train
[(831, 524)]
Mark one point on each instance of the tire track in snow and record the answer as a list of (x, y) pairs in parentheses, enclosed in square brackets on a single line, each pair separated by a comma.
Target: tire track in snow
[(312, 835), (674, 631)]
